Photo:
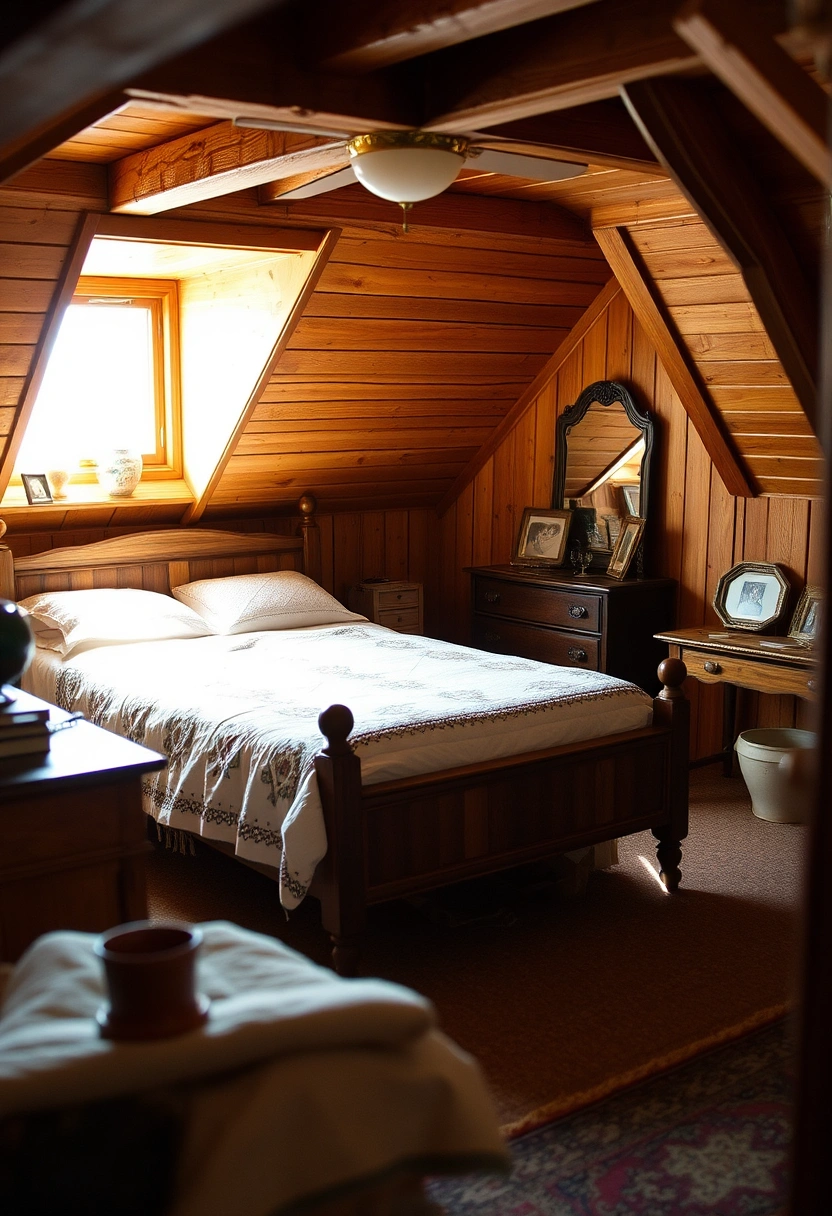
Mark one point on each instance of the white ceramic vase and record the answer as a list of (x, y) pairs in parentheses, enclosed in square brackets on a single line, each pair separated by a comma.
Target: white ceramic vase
[(120, 472), (58, 479)]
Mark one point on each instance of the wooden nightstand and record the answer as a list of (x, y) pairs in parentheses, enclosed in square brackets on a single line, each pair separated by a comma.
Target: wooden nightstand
[(396, 605), (73, 835)]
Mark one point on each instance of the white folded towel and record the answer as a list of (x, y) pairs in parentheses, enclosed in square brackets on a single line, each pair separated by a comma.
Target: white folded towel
[(266, 1000)]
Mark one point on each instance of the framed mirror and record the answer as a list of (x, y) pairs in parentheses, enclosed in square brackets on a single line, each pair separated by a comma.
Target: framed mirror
[(602, 467)]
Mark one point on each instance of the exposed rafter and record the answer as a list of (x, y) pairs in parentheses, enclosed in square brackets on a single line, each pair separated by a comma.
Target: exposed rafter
[(364, 34), (686, 131), (739, 49), (84, 50), (576, 57), (683, 375), (218, 160), (19, 154)]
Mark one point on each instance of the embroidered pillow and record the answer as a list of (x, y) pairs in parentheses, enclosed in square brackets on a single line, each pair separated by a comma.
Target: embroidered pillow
[(244, 603), (71, 621)]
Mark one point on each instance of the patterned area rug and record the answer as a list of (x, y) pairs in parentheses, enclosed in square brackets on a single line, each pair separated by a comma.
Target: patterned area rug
[(708, 1139)]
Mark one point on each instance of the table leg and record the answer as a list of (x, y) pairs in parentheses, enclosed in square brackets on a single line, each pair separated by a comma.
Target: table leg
[(729, 726)]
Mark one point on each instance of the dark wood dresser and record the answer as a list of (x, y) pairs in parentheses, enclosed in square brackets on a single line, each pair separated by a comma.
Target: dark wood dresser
[(73, 835), (596, 622)]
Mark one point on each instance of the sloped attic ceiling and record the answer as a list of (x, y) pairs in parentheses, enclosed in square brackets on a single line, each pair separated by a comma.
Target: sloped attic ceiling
[(413, 350)]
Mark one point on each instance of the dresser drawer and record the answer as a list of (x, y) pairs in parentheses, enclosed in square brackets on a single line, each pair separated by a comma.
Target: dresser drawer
[(563, 607), (398, 599), (545, 645), (734, 669), (402, 619)]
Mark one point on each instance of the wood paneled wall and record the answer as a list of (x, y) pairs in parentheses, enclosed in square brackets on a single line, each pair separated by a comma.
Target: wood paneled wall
[(696, 532), (354, 545)]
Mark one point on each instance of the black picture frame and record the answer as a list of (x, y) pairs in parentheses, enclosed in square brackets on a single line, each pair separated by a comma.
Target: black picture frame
[(541, 540), (37, 489)]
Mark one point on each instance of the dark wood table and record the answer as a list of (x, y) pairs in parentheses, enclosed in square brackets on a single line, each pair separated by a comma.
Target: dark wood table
[(739, 659), (73, 835)]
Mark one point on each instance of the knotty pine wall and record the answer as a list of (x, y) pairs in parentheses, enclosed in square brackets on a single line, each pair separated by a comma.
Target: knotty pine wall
[(696, 531)]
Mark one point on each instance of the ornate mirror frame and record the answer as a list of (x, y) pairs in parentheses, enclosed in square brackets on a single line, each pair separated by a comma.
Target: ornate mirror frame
[(606, 393)]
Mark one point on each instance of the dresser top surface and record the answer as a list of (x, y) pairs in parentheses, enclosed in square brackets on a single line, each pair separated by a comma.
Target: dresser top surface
[(559, 578)]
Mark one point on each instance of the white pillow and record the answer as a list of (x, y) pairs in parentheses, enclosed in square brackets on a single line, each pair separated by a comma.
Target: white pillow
[(244, 603), (71, 621)]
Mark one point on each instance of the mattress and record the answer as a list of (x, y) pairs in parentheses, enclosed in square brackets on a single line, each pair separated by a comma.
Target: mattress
[(237, 718)]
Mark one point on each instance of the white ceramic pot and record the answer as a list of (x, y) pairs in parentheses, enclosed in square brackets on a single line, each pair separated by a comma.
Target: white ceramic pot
[(120, 472), (760, 752)]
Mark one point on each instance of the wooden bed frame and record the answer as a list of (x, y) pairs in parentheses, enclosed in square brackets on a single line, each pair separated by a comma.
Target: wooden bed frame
[(411, 835)]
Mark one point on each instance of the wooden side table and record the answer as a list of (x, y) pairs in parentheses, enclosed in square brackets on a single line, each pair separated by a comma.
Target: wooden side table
[(739, 659), (398, 605), (73, 835)]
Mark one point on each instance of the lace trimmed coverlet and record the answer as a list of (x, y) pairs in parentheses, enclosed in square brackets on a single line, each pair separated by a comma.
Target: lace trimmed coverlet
[(237, 718)]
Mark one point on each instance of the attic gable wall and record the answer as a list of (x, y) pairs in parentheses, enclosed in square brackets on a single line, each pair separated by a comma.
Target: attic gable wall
[(697, 530)]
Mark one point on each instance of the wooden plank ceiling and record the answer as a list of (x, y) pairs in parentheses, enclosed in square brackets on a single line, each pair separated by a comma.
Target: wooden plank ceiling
[(413, 349)]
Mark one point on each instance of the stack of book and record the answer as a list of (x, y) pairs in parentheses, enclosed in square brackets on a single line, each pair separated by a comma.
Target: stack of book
[(24, 727)]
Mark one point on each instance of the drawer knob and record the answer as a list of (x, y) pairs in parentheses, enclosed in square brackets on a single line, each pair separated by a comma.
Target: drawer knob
[(812, 685), (491, 637), (713, 668), (399, 596), (577, 610), (492, 597), (576, 655)]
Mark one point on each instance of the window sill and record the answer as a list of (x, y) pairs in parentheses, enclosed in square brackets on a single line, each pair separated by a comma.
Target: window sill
[(91, 497)]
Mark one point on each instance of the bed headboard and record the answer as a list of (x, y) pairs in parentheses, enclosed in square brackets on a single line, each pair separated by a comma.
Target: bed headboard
[(157, 561)]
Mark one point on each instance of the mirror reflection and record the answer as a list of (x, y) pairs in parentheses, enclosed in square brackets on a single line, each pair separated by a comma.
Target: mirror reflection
[(602, 458)]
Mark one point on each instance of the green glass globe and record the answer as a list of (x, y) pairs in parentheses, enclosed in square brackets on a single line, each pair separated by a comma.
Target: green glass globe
[(17, 643)]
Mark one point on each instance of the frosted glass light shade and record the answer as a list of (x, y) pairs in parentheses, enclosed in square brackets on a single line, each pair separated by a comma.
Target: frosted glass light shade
[(407, 166)]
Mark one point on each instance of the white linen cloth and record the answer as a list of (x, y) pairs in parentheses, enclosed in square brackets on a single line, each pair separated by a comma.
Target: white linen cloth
[(300, 1081), (237, 718)]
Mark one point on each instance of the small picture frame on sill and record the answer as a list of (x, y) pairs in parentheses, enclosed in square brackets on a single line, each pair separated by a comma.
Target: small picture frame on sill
[(629, 536), (541, 540), (805, 622), (37, 488), (751, 595)]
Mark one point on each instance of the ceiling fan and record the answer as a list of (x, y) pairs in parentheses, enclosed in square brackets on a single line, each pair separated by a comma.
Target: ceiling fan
[(406, 167)]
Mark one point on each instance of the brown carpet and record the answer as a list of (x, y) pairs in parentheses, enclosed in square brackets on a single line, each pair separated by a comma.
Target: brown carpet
[(562, 999)]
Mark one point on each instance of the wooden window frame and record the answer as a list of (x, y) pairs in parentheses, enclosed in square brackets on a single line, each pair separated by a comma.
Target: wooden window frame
[(162, 297)]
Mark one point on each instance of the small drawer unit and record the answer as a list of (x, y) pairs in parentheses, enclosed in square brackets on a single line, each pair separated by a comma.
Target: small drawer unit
[(598, 623), (398, 605)]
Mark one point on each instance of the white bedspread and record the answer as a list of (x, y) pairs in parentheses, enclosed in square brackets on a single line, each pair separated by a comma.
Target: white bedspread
[(237, 717)]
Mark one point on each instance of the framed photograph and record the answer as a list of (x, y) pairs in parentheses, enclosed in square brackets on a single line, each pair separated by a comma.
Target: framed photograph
[(625, 547), (542, 537), (36, 487), (631, 495), (805, 622), (751, 595)]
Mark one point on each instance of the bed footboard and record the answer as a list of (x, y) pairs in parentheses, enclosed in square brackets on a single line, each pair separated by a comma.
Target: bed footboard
[(400, 837)]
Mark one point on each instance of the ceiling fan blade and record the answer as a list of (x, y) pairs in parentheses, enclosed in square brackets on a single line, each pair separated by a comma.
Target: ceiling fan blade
[(321, 185), (294, 128), (516, 164)]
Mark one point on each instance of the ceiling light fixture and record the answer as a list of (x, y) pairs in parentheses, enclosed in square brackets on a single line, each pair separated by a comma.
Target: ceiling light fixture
[(407, 167)]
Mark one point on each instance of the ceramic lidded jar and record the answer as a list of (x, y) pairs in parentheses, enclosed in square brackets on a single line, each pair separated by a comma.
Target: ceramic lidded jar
[(120, 471)]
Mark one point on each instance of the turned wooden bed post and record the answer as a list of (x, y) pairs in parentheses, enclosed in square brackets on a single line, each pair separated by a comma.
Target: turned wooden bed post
[(340, 882), (7, 588), (671, 708), (311, 535)]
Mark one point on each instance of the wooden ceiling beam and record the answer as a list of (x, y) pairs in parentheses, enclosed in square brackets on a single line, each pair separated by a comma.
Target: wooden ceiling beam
[(83, 51), (365, 35), (257, 71), (18, 154), (572, 59), (652, 316), (462, 212), (687, 133), (600, 133), (743, 53), (218, 160)]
